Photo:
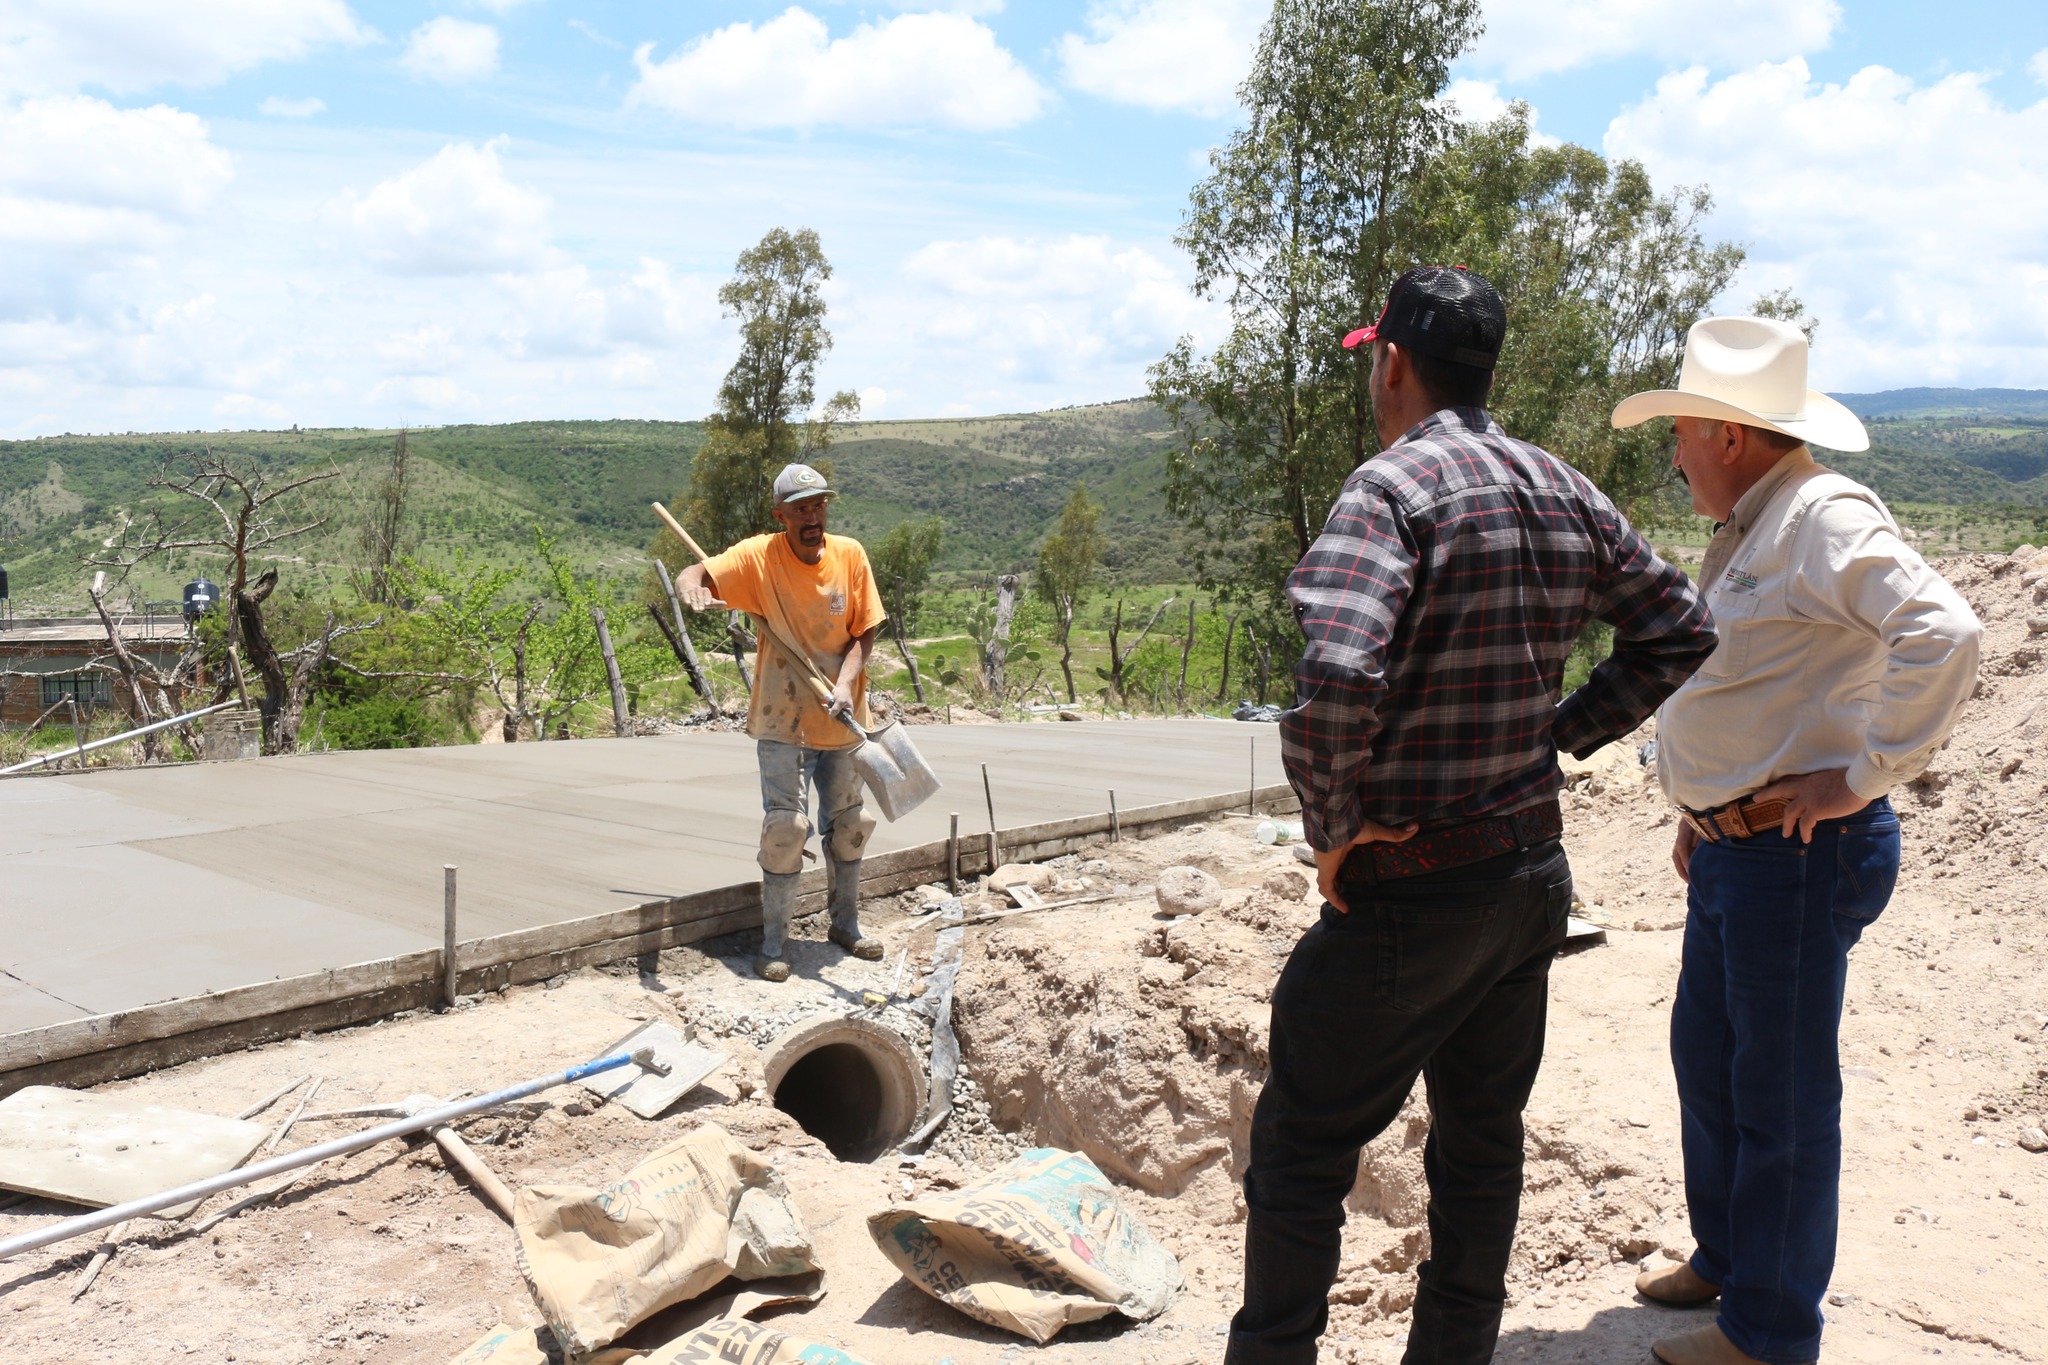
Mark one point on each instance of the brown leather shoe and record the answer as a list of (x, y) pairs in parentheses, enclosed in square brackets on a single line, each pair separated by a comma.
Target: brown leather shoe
[(1704, 1347), (1678, 1286)]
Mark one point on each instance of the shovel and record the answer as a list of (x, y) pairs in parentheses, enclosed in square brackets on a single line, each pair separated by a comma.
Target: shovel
[(894, 772)]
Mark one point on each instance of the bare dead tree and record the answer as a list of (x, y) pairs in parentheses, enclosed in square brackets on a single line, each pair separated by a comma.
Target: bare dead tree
[(1119, 658), (232, 509), (383, 534)]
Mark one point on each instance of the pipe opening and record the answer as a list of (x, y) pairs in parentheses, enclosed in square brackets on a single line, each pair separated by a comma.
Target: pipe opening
[(853, 1084), (835, 1093)]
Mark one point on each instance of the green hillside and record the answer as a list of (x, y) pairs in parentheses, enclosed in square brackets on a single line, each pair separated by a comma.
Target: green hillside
[(998, 482)]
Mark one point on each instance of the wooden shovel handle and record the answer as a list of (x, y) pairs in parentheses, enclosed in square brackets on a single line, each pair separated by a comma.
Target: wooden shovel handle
[(810, 665)]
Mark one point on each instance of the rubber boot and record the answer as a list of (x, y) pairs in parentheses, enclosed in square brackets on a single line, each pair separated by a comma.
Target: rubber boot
[(846, 913), (778, 903)]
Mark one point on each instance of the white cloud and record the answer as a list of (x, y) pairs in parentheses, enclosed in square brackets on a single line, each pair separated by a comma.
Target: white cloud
[(277, 106), (976, 7), (88, 193), (1526, 38), (1907, 216), (1058, 311), (454, 214), (451, 51), (1182, 55), (2039, 66), (791, 73), (130, 45)]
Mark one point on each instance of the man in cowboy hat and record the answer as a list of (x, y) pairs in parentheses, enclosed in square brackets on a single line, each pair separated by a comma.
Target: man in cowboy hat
[(1440, 603), (820, 593), (1842, 664)]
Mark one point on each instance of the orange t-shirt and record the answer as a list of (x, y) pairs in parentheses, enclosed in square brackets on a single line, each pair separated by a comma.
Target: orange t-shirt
[(820, 608)]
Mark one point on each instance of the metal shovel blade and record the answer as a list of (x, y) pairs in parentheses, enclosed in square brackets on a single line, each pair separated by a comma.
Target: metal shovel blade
[(894, 771)]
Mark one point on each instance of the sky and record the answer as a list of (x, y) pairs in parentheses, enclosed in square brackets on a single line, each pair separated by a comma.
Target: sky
[(255, 213)]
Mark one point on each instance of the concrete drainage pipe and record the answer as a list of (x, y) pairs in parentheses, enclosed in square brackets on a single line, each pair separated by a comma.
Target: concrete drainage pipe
[(855, 1085)]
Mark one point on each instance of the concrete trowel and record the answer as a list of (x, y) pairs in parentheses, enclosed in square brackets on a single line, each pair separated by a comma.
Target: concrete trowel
[(889, 764)]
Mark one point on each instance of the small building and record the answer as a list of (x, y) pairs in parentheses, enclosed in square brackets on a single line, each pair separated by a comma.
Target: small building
[(45, 659)]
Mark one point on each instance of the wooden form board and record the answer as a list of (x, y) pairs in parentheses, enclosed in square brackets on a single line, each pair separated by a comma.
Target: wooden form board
[(107, 1047), (98, 1150)]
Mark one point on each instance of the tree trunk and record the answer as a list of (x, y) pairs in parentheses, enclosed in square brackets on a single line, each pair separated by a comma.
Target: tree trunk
[(679, 640), (998, 653), (1116, 656), (152, 743), (1066, 605), (739, 650), (1229, 639), (909, 659), (1265, 657), (621, 724), (291, 713), (1187, 648), (262, 653)]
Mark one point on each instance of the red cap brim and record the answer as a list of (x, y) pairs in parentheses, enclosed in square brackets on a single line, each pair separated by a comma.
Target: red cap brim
[(1362, 336)]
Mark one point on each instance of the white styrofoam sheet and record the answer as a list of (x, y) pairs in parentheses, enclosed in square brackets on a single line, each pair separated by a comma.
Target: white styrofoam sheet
[(97, 1150)]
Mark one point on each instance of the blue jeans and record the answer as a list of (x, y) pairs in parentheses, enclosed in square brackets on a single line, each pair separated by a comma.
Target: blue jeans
[(1754, 1026), (791, 775), (1445, 975)]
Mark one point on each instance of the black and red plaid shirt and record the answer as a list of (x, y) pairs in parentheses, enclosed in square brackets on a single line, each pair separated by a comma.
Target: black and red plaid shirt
[(1455, 573)]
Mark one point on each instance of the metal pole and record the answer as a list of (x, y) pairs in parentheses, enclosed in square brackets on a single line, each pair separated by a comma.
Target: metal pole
[(1116, 829), (448, 933), (1251, 795), (995, 848), (953, 856), (116, 739), (68, 1228)]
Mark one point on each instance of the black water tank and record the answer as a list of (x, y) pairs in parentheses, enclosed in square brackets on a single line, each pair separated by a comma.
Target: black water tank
[(200, 596), (3, 582)]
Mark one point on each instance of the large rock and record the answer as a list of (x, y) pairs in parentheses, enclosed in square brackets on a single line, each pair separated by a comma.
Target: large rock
[(1187, 891)]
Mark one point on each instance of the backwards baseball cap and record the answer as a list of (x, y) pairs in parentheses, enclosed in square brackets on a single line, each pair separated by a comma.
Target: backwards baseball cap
[(799, 481), (1442, 311)]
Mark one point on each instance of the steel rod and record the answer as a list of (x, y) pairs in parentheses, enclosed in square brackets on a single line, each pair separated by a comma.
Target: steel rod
[(253, 1110), (1116, 828), (136, 733), (995, 848), (448, 933), (291, 1161), (953, 856)]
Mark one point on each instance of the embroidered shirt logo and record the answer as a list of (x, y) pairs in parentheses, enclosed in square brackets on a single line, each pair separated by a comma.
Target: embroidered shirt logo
[(1738, 580), (838, 603)]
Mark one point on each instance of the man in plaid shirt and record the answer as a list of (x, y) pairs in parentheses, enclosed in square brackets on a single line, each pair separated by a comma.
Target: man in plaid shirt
[(1456, 571)]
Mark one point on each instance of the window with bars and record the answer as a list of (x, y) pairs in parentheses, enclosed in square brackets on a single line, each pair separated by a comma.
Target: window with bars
[(87, 689)]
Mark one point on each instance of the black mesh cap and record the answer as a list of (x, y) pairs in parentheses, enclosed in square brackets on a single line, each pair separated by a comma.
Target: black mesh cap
[(1443, 311)]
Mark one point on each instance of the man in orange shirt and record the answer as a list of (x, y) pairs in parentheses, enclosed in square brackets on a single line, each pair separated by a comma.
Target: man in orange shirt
[(819, 594)]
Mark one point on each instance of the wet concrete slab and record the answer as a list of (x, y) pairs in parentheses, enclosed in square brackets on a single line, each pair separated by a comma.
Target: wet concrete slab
[(122, 888)]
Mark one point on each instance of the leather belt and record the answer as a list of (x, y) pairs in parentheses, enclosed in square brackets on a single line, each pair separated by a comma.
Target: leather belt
[(1454, 845), (1737, 819)]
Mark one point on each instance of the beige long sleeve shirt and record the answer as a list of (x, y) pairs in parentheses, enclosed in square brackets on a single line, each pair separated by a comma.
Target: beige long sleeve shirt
[(1839, 647)]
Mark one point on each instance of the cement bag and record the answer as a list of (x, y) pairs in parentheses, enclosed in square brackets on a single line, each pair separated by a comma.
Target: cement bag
[(698, 1210), (1041, 1244), (729, 1341), (504, 1345)]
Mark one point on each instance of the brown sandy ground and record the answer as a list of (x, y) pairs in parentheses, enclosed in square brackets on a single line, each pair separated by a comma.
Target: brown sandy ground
[(1140, 1040)]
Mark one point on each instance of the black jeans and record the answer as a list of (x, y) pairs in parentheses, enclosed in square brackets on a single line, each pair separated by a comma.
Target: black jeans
[(1446, 975)]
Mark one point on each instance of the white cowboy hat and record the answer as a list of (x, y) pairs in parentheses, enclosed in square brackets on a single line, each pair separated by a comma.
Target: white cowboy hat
[(1752, 371)]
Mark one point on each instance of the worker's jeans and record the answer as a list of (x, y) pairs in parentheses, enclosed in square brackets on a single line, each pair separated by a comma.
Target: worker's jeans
[(1446, 975), (1753, 1040), (790, 774)]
